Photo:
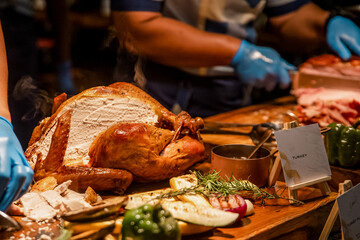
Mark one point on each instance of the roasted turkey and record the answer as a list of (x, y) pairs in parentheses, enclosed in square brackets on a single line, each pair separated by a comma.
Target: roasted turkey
[(105, 137)]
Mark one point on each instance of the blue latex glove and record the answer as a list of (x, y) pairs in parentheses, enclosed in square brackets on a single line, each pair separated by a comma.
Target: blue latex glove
[(261, 66), (15, 172), (343, 36)]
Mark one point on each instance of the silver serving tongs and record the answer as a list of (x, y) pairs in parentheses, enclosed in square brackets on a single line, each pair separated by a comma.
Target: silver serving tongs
[(256, 132), (217, 127), (8, 222)]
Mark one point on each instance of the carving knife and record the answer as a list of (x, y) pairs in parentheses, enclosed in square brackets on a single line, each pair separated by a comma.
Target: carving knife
[(8, 222), (307, 80)]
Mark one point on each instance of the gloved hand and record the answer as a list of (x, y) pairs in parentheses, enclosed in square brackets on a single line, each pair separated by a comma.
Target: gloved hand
[(15, 172), (261, 66), (343, 36)]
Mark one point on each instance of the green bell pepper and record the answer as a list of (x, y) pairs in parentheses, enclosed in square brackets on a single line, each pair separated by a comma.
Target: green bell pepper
[(331, 142), (149, 223), (342, 145)]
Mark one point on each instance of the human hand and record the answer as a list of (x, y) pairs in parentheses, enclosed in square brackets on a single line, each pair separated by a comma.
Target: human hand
[(15, 172), (261, 66), (343, 36)]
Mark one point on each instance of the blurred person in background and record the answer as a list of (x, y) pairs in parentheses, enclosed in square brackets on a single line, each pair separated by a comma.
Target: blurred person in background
[(19, 29), (21, 32), (58, 12), (15, 172), (202, 57)]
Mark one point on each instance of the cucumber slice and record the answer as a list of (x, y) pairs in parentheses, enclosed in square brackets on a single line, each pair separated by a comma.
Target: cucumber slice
[(200, 215)]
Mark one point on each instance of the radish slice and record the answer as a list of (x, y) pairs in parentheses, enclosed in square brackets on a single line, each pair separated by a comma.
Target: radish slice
[(232, 203)]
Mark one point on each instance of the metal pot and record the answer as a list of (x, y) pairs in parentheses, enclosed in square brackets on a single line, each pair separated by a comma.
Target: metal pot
[(232, 160)]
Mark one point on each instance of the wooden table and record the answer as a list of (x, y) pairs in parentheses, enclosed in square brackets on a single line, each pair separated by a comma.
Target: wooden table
[(268, 112), (277, 218), (274, 220)]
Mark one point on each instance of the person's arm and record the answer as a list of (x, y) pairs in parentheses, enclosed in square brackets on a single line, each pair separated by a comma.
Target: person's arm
[(171, 42), (4, 109), (310, 27), (15, 172), (302, 27)]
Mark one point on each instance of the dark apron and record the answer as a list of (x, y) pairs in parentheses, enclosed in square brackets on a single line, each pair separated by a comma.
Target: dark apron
[(199, 96)]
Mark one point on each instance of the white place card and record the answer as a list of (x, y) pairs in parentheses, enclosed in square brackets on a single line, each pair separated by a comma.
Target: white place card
[(349, 211), (303, 154)]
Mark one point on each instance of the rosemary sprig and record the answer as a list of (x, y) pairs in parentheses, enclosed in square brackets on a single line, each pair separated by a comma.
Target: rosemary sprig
[(188, 191), (212, 184)]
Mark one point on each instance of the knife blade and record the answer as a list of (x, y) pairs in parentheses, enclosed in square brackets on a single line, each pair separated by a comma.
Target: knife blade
[(219, 125), (221, 131), (8, 222), (307, 80)]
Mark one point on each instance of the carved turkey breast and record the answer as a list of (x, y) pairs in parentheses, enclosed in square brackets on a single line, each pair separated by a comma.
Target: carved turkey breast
[(105, 137)]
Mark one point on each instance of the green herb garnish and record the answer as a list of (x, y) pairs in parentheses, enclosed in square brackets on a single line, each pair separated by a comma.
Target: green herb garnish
[(212, 184)]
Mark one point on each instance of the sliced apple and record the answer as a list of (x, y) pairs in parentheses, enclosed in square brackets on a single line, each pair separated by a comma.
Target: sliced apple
[(188, 181), (249, 207), (139, 199)]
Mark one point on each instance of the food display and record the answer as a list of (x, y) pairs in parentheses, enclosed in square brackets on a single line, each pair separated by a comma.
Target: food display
[(40, 206), (328, 94), (117, 140), (169, 213), (343, 145), (324, 106), (332, 65), (149, 222), (103, 139), (106, 137), (331, 100), (193, 204)]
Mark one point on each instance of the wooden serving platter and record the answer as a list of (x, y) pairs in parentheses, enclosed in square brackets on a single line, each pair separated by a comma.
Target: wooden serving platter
[(272, 219), (33, 230), (279, 220)]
